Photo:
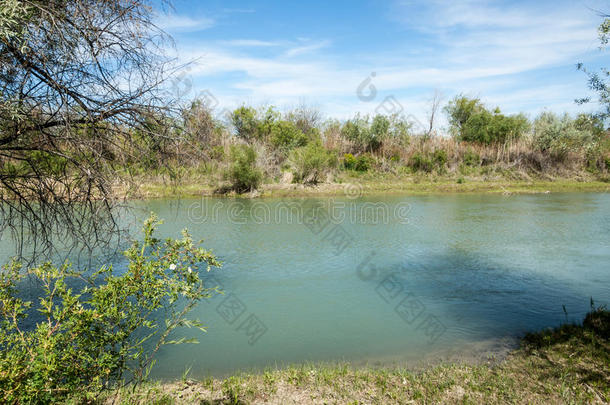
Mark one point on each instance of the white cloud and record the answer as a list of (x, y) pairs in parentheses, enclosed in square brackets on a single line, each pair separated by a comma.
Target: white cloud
[(173, 22), (304, 49), (481, 48), (249, 43)]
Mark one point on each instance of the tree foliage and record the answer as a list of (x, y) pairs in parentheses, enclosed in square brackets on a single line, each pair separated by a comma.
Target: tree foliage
[(92, 332), (368, 135), (243, 174), (470, 121), (599, 82), (561, 135), (77, 79), (311, 163)]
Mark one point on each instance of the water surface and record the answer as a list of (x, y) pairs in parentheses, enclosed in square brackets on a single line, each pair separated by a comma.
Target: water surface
[(386, 279), (414, 277)]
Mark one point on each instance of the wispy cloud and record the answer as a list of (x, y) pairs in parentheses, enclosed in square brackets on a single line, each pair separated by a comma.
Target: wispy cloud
[(489, 49), (304, 49), (173, 22), (249, 43)]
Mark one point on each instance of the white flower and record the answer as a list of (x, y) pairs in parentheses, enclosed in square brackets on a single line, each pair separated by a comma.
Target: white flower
[(190, 270), (172, 266)]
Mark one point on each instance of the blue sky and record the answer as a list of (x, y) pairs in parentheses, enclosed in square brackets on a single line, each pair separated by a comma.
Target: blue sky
[(519, 55)]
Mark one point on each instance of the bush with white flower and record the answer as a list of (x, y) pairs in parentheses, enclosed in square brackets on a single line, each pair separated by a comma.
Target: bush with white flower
[(104, 334)]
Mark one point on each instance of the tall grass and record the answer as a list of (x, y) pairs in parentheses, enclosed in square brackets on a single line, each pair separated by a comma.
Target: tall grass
[(548, 147)]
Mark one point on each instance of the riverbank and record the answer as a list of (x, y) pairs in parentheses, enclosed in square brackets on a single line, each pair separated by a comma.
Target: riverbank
[(570, 364), (369, 184)]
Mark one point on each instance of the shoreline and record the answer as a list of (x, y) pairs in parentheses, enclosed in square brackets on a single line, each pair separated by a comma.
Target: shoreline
[(354, 188), (568, 364)]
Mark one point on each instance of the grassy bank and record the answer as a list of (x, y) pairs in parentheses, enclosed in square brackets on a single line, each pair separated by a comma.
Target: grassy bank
[(368, 184), (570, 364)]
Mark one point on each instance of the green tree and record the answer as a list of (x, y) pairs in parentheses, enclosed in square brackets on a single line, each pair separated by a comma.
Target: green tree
[(243, 173), (470, 121), (460, 109), (245, 122), (285, 135), (366, 135)]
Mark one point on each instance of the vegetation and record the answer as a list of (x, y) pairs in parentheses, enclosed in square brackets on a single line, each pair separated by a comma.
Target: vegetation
[(68, 123), (159, 147), (361, 163), (561, 135), (259, 146), (310, 163), (471, 122), (243, 174), (88, 333), (599, 81), (569, 364), (73, 137)]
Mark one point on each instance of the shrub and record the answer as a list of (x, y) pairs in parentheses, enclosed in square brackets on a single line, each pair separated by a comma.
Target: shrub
[(421, 162), (245, 122), (364, 163), (356, 130), (380, 128), (427, 163), (607, 163), (361, 163), (559, 136), (285, 135), (508, 127), (590, 123), (267, 120), (243, 173), (88, 339), (440, 158), (311, 163), (367, 136), (305, 118), (471, 158), (400, 129), (486, 128), (349, 161), (198, 124), (217, 152)]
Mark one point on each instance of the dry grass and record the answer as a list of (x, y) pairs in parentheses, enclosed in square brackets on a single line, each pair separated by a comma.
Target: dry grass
[(516, 166)]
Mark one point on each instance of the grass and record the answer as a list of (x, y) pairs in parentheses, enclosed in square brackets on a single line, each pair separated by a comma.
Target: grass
[(376, 183), (570, 364)]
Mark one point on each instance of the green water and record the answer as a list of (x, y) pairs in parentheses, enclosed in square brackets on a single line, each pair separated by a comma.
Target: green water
[(386, 280)]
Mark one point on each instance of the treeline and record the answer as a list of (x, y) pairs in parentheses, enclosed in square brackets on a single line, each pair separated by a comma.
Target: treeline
[(256, 145)]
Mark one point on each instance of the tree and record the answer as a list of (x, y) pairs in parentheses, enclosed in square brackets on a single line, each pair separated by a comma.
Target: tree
[(599, 81), (471, 122), (77, 79), (459, 110), (435, 105), (245, 122), (243, 173)]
